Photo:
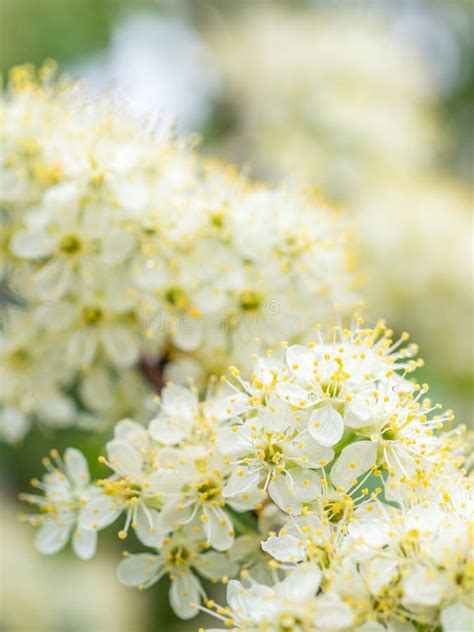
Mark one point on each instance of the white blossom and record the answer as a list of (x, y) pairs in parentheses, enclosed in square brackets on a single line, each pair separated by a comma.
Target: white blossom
[(67, 490), (180, 557)]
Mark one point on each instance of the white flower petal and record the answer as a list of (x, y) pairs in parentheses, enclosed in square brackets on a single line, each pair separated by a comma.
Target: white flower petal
[(218, 528), (121, 346), (63, 196), (304, 485), (81, 348), (53, 280), (223, 408), (356, 459), (13, 424), (241, 481), (395, 625), (248, 500), (295, 395), (131, 431), (370, 535), (84, 543), (58, 411), (356, 415), (165, 430), (332, 613), (188, 333), (371, 626), (99, 511), (124, 458), (326, 426), (147, 526), (457, 618), (301, 585), (422, 588), (234, 442), (32, 244), (380, 574), (215, 566), (137, 570), (59, 316), (117, 245), (250, 603), (300, 360), (179, 400), (280, 492), (285, 548), (314, 454), (52, 536), (185, 591), (174, 514), (276, 416), (77, 467), (167, 481)]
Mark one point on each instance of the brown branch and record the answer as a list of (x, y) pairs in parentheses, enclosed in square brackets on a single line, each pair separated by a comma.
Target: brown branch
[(152, 370)]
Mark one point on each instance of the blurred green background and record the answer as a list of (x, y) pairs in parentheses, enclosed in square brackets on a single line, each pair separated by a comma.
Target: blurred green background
[(257, 80)]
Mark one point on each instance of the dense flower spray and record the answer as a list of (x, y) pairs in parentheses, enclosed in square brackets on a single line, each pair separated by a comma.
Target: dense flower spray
[(129, 250), (323, 490)]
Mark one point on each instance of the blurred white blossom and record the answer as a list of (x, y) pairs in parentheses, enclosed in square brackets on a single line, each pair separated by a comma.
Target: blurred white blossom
[(338, 96), (128, 247)]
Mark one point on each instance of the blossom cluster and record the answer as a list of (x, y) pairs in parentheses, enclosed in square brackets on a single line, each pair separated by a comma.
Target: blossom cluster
[(128, 249), (322, 490)]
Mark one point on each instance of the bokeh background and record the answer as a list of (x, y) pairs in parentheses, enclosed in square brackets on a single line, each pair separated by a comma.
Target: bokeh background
[(370, 102)]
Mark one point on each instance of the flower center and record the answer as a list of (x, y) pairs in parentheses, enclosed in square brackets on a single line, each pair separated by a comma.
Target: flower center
[(176, 297), (20, 358), (272, 453), (69, 244), (389, 434), (332, 388), (217, 220), (249, 300), (208, 490), (179, 557), (92, 315), (290, 623), (336, 509)]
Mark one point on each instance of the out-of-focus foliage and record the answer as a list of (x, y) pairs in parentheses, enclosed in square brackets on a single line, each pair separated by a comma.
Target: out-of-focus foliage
[(32, 31)]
